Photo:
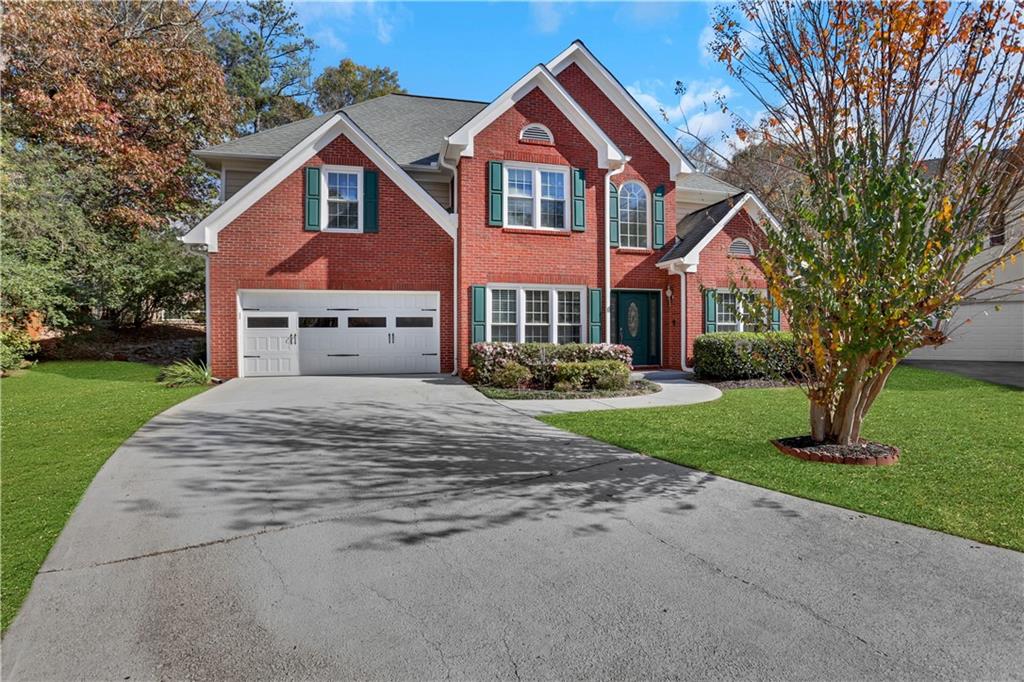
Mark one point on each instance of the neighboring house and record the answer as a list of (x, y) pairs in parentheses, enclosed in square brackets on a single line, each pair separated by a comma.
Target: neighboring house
[(390, 235), (989, 324)]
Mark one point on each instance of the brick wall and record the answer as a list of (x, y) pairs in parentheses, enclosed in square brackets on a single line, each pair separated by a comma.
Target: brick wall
[(635, 269), (526, 256), (266, 248)]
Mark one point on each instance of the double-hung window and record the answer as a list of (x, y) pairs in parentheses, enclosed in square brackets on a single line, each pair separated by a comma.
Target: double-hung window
[(535, 196), (535, 314), (727, 318), (342, 190)]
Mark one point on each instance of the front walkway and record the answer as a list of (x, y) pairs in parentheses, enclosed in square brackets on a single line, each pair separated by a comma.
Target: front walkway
[(407, 528), (675, 390)]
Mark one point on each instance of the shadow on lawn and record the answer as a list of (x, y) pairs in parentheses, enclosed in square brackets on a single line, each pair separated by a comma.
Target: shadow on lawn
[(401, 474)]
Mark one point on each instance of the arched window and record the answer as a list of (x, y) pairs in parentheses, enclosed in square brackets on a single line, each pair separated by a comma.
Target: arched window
[(535, 132), (741, 247), (633, 216)]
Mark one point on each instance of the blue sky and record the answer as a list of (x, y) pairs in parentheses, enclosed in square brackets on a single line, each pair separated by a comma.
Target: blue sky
[(474, 50)]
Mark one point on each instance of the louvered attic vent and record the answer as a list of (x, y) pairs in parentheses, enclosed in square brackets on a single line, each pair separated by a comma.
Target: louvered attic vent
[(535, 132)]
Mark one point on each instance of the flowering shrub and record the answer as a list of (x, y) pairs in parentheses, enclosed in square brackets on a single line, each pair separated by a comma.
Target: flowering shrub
[(540, 358)]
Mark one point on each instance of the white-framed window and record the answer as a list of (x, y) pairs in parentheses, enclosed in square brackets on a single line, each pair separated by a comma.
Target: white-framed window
[(536, 132), (535, 196), (727, 317), (342, 189), (729, 313), (634, 216), (521, 313), (741, 247)]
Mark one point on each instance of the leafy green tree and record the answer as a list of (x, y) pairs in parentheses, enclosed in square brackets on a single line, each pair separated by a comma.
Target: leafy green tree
[(266, 58), (878, 248), (348, 83)]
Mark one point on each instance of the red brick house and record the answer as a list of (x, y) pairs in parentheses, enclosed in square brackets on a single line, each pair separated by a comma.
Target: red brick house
[(390, 235)]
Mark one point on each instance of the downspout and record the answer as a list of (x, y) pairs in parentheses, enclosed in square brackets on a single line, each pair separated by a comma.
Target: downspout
[(608, 249), (682, 295), (455, 256), (206, 306)]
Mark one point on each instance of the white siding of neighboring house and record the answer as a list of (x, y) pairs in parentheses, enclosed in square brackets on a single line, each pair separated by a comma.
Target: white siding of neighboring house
[(991, 335)]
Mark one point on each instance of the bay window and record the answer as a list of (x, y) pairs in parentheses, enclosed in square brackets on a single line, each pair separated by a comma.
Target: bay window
[(535, 314), (535, 196)]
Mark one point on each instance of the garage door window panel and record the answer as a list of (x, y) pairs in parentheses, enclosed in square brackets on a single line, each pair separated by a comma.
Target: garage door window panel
[(274, 322), (318, 322), (405, 322), (367, 322)]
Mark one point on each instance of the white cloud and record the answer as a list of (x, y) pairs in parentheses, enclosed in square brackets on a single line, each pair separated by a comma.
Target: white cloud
[(707, 34), (547, 16), (648, 14), (328, 37), (696, 110)]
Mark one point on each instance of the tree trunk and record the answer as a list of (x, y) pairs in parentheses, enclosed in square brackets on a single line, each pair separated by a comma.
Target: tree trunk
[(820, 421)]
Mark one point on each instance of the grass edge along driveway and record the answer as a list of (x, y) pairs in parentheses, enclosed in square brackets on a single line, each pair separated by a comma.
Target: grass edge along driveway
[(961, 442), (60, 421)]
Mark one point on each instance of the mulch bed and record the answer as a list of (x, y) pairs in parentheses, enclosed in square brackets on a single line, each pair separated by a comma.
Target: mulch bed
[(865, 452), (640, 387)]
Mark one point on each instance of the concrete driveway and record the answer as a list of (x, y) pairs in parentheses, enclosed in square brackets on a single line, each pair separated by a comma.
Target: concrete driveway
[(408, 528)]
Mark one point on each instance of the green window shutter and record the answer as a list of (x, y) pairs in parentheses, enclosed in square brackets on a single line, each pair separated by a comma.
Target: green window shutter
[(479, 314), (659, 217), (710, 319), (613, 215), (371, 202), (579, 200), (776, 319), (312, 223), (594, 309), (495, 188)]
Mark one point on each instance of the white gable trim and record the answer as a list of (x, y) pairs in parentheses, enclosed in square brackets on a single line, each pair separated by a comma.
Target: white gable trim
[(339, 124), (578, 54), (758, 213), (460, 143)]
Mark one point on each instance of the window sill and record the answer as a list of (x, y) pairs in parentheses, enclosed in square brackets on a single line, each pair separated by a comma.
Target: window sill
[(729, 255), (337, 230), (537, 230), (634, 250)]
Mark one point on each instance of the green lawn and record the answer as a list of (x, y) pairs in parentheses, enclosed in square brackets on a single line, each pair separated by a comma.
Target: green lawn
[(59, 422), (961, 469)]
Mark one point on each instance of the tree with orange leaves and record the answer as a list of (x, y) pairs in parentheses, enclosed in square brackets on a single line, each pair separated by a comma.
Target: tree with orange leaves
[(131, 85), (878, 247)]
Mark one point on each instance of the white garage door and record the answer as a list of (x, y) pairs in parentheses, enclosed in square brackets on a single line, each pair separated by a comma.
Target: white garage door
[(339, 332)]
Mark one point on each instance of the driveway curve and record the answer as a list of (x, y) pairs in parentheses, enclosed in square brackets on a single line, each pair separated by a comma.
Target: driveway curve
[(409, 528)]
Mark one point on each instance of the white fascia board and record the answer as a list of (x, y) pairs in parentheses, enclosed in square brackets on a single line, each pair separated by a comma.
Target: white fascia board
[(206, 231), (578, 54), (608, 154)]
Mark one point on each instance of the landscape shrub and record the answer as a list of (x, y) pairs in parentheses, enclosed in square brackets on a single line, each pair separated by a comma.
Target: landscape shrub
[(15, 346), (185, 373), (603, 375), (745, 355), (512, 375), (540, 358)]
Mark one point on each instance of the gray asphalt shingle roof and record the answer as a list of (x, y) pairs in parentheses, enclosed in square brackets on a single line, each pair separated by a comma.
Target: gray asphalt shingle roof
[(410, 129), (704, 183), (695, 226)]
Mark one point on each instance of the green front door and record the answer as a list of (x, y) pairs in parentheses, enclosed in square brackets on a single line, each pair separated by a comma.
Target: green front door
[(634, 324)]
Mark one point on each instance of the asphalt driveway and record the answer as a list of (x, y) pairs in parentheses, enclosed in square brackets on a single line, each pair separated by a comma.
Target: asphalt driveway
[(408, 528)]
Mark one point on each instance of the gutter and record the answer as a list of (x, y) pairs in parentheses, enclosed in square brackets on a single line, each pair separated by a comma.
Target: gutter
[(455, 256)]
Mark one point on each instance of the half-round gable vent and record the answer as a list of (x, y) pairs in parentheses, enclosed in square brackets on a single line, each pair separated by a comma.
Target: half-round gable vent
[(535, 132), (740, 247)]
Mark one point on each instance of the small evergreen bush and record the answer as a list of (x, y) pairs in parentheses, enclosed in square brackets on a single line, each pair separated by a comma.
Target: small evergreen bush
[(745, 355)]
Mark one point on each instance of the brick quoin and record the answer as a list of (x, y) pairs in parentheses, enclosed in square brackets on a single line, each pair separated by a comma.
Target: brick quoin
[(266, 248)]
